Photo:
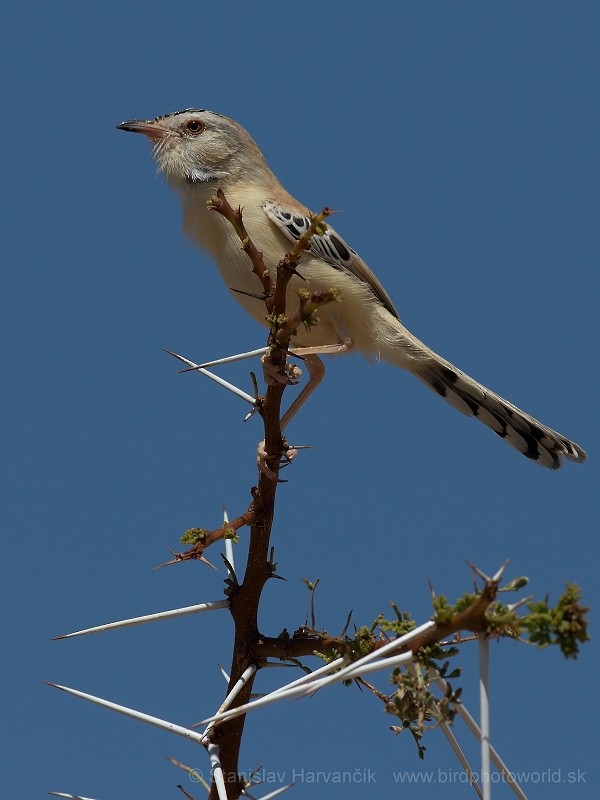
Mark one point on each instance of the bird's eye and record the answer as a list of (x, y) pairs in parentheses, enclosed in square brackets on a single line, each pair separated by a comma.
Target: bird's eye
[(194, 126)]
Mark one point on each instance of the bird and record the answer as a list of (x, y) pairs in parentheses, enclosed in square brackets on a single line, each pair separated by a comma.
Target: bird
[(199, 150)]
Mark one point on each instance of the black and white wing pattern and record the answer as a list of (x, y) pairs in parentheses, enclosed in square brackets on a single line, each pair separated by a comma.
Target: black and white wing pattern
[(330, 247)]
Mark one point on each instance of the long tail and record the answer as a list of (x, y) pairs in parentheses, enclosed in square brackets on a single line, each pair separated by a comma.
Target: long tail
[(523, 432)]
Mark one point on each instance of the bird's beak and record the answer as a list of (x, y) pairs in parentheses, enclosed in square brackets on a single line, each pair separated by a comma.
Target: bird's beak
[(150, 128)]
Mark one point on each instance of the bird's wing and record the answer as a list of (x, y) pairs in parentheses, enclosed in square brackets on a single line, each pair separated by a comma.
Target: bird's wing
[(329, 247)]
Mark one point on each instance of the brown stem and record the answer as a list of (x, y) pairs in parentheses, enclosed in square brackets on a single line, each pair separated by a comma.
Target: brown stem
[(244, 599), (220, 204), (287, 266), (207, 538)]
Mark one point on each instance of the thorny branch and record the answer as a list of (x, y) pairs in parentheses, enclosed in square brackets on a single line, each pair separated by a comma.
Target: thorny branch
[(220, 204), (244, 598)]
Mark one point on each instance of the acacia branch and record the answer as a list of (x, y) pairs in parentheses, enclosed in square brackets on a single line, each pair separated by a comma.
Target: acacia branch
[(244, 598), (287, 266), (204, 539), (220, 204), (306, 642)]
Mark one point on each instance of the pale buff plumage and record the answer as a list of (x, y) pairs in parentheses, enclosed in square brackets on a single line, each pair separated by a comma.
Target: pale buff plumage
[(197, 150)]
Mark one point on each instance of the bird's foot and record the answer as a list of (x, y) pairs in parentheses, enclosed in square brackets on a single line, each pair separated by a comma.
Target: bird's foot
[(289, 374), (262, 457)]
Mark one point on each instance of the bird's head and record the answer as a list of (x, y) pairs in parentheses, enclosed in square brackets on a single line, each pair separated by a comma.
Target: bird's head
[(198, 146)]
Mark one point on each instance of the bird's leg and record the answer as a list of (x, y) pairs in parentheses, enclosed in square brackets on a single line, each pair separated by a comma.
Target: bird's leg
[(325, 349), (316, 372)]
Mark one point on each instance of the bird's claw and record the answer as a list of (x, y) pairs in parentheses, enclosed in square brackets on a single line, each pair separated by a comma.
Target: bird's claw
[(286, 457), (289, 374)]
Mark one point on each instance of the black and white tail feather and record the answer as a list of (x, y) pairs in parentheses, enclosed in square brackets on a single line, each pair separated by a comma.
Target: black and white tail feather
[(397, 345), (522, 431)]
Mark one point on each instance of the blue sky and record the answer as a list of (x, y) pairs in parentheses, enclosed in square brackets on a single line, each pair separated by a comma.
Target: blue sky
[(461, 142)]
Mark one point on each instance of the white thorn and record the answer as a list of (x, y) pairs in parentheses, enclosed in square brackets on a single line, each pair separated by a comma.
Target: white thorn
[(276, 792), (484, 705), (384, 663), (237, 357), (224, 674), (312, 675), (274, 694), (356, 666), (225, 384), (229, 386), (461, 757), (70, 796), (298, 688), (171, 727), (500, 572), (473, 727), (236, 689), (217, 770), (177, 612), (228, 542)]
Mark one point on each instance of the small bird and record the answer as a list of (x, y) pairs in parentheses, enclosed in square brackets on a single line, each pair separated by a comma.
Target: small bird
[(197, 151)]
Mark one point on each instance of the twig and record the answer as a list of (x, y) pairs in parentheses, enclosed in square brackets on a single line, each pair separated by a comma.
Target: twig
[(220, 204), (208, 538), (287, 266)]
